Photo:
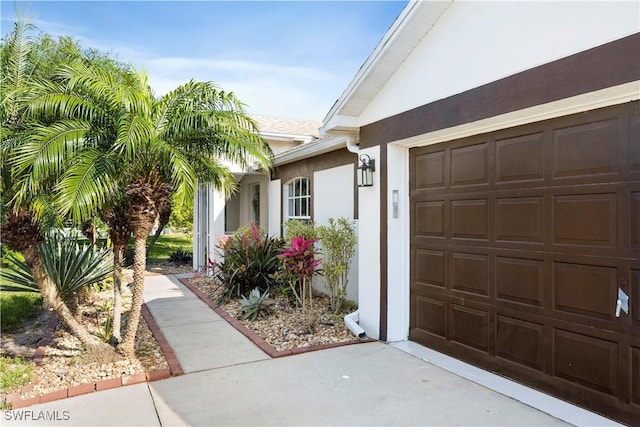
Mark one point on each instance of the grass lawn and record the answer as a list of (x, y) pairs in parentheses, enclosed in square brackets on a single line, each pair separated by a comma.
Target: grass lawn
[(168, 244), (14, 371), (16, 307)]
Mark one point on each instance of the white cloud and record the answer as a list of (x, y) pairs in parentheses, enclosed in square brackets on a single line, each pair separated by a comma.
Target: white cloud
[(186, 65), (270, 89)]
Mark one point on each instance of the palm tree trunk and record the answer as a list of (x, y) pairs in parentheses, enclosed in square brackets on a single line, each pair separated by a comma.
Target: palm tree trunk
[(48, 289), (139, 266), (118, 255)]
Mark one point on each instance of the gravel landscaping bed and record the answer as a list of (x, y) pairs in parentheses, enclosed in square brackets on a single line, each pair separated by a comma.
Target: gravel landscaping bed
[(64, 364), (284, 328)]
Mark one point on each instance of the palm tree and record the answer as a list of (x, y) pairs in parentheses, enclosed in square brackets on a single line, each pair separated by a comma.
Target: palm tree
[(27, 216), (195, 127), (140, 151)]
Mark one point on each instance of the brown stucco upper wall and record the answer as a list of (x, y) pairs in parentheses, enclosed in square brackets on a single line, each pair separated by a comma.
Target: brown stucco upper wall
[(305, 168), (608, 65)]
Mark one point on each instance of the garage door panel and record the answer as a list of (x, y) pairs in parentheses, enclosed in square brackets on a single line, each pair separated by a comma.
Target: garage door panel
[(470, 219), (520, 158), (430, 267), (430, 218), (635, 375), (470, 327), (585, 360), (587, 290), (585, 150), (431, 315), (634, 147), (520, 280), (470, 273), (430, 170), (520, 342), (635, 299), (469, 165), (520, 219), (634, 208), (585, 219)]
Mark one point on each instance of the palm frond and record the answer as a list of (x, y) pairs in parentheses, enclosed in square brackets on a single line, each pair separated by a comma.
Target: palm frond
[(86, 185)]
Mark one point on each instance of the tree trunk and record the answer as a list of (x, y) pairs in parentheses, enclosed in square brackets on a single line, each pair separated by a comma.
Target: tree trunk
[(49, 292), (139, 266), (71, 301), (118, 256)]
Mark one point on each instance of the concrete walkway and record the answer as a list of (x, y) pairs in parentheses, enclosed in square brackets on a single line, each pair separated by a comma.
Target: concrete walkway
[(229, 381)]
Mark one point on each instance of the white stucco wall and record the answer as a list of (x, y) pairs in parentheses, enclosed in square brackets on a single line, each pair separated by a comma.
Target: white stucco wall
[(477, 42), (369, 252), (333, 197), (333, 193), (274, 207), (398, 250)]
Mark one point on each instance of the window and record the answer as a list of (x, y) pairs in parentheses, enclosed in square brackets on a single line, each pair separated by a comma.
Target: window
[(298, 199)]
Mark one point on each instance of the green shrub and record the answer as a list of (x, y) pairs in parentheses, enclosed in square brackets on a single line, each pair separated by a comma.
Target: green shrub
[(250, 259), (338, 240), (16, 307), (297, 228), (181, 257)]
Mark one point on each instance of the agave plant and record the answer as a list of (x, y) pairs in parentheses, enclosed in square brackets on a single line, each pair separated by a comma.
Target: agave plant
[(256, 305), (71, 265)]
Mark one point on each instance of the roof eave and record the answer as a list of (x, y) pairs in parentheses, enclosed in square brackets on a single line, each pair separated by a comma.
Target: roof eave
[(311, 149), (402, 24)]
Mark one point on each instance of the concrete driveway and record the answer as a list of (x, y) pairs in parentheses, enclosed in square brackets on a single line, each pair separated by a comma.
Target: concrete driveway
[(230, 381)]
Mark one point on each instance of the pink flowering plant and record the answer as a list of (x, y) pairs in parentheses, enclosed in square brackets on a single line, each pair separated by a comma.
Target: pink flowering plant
[(300, 264)]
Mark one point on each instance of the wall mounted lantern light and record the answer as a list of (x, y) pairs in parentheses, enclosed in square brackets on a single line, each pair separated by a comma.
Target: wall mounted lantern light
[(365, 171)]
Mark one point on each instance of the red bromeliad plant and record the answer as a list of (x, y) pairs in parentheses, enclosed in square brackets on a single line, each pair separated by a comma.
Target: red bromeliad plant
[(299, 259)]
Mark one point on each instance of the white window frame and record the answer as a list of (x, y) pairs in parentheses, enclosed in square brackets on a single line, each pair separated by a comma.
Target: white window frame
[(297, 202)]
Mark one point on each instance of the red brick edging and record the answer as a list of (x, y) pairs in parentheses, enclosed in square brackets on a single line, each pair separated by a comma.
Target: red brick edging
[(257, 339), (174, 368)]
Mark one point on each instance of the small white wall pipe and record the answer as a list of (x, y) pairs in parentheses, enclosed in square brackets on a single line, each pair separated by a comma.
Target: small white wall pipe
[(352, 145), (351, 319), (351, 322)]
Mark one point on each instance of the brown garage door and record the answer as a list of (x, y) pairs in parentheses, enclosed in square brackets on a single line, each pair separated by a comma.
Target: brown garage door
[(520, 240)]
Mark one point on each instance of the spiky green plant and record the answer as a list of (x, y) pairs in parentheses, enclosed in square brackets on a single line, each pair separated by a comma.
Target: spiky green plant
[(71, 265), (250, 259), (256, 305)]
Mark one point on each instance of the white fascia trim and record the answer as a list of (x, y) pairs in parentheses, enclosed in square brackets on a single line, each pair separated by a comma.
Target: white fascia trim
[(589, 101), (385, 43), (286, 136), (310, 150), (341, 123)]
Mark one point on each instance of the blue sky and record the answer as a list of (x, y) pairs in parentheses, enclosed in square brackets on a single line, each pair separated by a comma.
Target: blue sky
[(287, 58)]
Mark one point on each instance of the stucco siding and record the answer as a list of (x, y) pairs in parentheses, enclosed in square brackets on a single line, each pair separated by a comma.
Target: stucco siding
[(333, 196), (475, 43)]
